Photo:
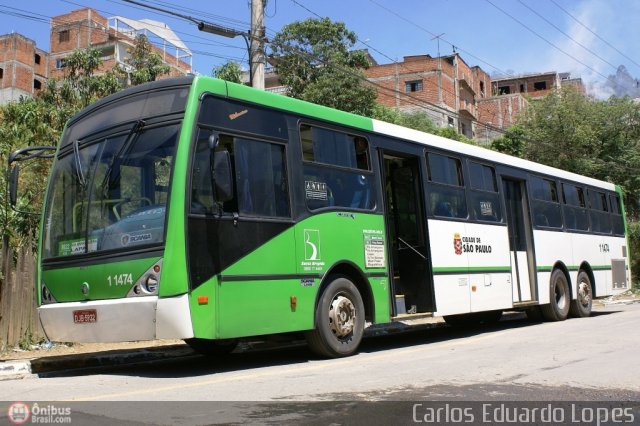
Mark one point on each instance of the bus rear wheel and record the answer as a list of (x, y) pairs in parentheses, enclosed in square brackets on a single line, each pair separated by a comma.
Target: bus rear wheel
[(559, 298), (581, 306), (212, 348), (339, 320)]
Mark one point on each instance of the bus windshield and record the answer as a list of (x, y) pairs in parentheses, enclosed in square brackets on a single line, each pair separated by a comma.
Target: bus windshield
[(110, 192)]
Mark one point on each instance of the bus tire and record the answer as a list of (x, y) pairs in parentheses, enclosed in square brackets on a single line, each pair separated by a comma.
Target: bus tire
[(559, 297), (339, 320), (581, 306), (212, 348)]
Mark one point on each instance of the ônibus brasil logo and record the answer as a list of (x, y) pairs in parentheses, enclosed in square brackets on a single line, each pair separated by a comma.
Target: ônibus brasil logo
[(18, 413)]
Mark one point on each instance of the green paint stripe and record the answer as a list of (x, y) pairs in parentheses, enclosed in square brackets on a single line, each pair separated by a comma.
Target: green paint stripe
[(574, 268)]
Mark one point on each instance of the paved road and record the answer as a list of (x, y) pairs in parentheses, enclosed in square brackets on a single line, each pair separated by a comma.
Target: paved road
[(579, 359)]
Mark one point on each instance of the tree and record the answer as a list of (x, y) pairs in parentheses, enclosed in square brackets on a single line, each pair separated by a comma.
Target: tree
[(231, 71), (512, 142), (600, 139), (145, 65), (314, 61)]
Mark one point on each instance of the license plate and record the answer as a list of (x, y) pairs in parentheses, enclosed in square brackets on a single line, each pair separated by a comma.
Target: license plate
[(85, 316)]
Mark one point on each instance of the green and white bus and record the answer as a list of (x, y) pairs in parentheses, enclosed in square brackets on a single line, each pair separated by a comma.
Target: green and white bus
[(202, 210)]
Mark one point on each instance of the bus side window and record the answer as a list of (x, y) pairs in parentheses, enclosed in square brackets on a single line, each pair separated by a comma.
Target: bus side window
[(446, 189), (483, 195), (545, 204)]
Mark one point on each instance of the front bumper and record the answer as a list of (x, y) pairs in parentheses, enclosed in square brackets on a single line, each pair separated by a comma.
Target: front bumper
[(119, 320)]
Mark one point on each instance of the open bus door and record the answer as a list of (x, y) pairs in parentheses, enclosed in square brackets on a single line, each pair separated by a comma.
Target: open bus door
[(410, 266), (523, 276)]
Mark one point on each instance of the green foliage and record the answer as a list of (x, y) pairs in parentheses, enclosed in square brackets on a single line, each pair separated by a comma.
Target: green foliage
[(512, 142), (451, 133), (634, 249), (145, 65), (600, 139), (413, 120), (314, 62), (231, 71)]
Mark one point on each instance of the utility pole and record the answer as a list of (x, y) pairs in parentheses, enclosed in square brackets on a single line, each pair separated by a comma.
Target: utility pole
[(257, 44)]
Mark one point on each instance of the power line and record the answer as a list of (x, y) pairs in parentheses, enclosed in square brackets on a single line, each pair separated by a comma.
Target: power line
[(550, 43), (432, 34), (423, 103), (592, 32), (567, 35)]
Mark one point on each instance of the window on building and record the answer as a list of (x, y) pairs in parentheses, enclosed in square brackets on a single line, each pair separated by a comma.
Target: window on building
[(36, 58), (37, 84), (450, 122), (540, 85), (61, 63), (413, 86), (482, 88), (1, 73), (63, 36), (504, 90), (522, 88)]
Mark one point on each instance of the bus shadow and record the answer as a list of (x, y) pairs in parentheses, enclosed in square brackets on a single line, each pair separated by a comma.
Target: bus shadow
[(190, 364)]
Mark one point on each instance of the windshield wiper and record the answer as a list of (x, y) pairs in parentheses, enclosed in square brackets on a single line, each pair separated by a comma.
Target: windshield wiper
[(132, 136), (79, 172)]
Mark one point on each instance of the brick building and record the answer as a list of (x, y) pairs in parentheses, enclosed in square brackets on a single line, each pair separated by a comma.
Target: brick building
[(24, 68), (535, 86), (113, 37), (445, 87)]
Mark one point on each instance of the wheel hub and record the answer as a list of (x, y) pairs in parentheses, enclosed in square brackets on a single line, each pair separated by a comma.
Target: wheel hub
[(584, 294), (342, 316)]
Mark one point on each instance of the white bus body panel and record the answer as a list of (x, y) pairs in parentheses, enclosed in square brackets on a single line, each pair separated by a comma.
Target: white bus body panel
[(483, 281), (572, 249)]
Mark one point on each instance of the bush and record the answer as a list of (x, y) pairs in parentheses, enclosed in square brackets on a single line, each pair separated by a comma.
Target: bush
[(634, 251)]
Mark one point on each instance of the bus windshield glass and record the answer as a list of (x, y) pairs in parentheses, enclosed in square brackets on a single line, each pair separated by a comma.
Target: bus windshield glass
[(110, 192)]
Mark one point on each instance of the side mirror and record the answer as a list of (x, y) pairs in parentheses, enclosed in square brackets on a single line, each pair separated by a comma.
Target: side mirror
[(13, 185), (222, 176)]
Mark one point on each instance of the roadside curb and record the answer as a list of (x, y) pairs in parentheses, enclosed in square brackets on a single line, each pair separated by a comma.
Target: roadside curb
[(49, 365), (54, 364)]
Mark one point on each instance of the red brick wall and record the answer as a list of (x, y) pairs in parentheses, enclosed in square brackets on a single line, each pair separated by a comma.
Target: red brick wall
[(17, 60)]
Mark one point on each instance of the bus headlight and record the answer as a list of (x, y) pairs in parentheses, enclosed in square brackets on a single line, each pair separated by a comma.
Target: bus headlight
[(147, 284), (46, 296)]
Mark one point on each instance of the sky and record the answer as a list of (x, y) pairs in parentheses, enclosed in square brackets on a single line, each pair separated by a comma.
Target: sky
[(588, 38)]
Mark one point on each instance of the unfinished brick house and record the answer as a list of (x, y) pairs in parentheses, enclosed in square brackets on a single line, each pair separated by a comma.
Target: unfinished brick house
[(23, 67), (535, 86), (113, 37)]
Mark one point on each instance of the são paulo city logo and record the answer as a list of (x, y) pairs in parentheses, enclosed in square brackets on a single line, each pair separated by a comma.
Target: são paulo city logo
[(457, 243)]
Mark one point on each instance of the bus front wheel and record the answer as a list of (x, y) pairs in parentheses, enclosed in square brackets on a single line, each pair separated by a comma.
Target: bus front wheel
[(559, 298), (339, 320), (581, 306)]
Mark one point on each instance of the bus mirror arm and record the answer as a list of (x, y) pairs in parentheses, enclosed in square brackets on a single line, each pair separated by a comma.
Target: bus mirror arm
[(13, 185), (18, 156)]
